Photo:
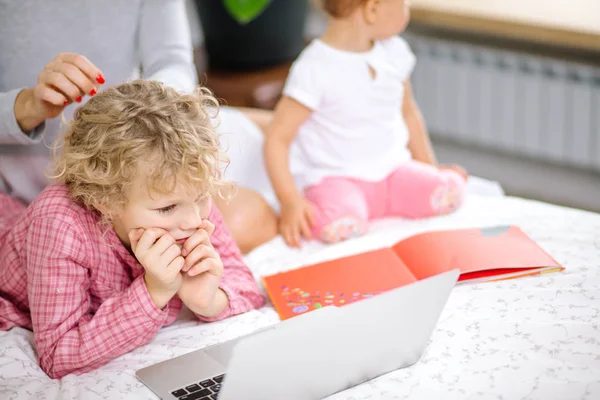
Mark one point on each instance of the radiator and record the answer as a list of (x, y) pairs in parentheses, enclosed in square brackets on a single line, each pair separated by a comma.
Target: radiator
[(517, 103)]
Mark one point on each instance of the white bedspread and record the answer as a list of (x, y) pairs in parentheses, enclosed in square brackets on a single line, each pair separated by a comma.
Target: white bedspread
[(530, 338)]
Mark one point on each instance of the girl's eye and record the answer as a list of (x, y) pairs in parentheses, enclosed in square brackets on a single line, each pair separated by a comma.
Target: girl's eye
[(167, 208)]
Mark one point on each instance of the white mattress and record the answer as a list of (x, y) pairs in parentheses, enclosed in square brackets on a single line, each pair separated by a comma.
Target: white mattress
[(530, 338)]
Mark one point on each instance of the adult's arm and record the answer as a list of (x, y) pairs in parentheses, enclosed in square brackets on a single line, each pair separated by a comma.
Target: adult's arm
[(166, 44)]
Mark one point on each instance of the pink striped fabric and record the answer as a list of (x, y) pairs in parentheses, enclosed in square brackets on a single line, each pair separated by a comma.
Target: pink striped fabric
[(71, 280)]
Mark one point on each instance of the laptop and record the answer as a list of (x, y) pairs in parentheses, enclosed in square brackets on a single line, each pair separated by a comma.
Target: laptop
[(312, 355)]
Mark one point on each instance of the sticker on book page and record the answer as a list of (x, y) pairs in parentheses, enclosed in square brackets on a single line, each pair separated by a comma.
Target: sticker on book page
[(301, 301)]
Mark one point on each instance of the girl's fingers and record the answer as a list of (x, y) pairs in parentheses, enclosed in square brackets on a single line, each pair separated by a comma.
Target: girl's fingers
[(208, 226), (176, 265), (170, 254), (198, 254), (201, 267), (149, 237), (164, 243), (134, 237), (211, 263), (199, 237)]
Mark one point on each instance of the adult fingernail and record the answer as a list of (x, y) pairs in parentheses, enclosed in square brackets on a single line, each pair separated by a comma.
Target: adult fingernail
[(78, 99), (66, 102), (184, 252), (93, 92), (100, 79)]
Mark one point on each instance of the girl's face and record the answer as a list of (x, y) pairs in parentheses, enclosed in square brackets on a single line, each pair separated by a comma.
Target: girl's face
[(180, 212)]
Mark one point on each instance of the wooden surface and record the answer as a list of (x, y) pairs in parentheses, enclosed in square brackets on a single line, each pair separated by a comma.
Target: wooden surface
[(570, 23)]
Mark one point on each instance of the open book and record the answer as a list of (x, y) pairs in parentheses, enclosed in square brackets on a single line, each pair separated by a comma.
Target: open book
[(481, 255)]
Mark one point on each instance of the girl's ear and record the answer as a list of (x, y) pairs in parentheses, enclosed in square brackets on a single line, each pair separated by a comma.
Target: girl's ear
[(370, 9)]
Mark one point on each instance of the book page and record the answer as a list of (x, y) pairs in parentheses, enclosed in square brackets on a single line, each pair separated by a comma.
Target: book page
[(336, 282), (497, 250)]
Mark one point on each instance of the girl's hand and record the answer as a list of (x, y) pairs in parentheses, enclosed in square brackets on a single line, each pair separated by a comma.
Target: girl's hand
[(204, 271), (199, 253), (64, 80), (161, 258), (296, 221)]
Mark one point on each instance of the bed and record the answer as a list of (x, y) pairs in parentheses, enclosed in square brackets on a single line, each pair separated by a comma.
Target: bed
[(530, 338)]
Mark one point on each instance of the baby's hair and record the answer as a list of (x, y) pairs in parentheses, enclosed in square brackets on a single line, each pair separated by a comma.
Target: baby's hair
[(140, 124), (340, 8)]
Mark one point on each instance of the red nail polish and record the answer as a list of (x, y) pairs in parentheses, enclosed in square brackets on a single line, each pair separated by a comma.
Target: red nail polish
[(78, 99), (100, 79), (93, 92), (66, 102)]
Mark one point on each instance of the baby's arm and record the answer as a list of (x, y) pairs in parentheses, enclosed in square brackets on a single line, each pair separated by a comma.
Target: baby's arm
[(69, 337), (296, 213), (419, 143), (289, 116)]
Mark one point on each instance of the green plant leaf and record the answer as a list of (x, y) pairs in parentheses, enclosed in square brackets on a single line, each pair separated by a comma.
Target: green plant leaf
[(244, 11)]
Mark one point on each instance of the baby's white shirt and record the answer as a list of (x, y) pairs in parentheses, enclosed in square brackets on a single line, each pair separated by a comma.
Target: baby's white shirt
[(356, 129)]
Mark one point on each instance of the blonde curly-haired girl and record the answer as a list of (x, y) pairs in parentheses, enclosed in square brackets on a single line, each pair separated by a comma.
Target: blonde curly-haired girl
[(111, 253)]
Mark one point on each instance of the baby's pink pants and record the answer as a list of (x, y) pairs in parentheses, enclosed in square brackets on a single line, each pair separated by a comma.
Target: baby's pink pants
[(343, 206)]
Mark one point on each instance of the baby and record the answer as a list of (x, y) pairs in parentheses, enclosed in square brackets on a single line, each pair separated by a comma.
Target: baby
[(100, 261), (361, 148)]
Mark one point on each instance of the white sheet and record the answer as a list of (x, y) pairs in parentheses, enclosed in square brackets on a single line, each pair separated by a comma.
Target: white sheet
[(530, 338)]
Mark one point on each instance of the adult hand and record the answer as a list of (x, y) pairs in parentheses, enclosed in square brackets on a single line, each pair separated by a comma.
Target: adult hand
[(65, 79)]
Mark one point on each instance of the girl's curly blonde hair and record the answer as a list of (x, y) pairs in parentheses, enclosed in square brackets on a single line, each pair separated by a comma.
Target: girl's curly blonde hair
[(140, 124)]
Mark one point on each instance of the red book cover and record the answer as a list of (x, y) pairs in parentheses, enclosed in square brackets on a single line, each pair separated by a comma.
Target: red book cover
[(481, 254)]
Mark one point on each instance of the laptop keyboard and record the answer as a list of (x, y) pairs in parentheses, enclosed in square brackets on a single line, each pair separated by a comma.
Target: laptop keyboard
[(205, 390)]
